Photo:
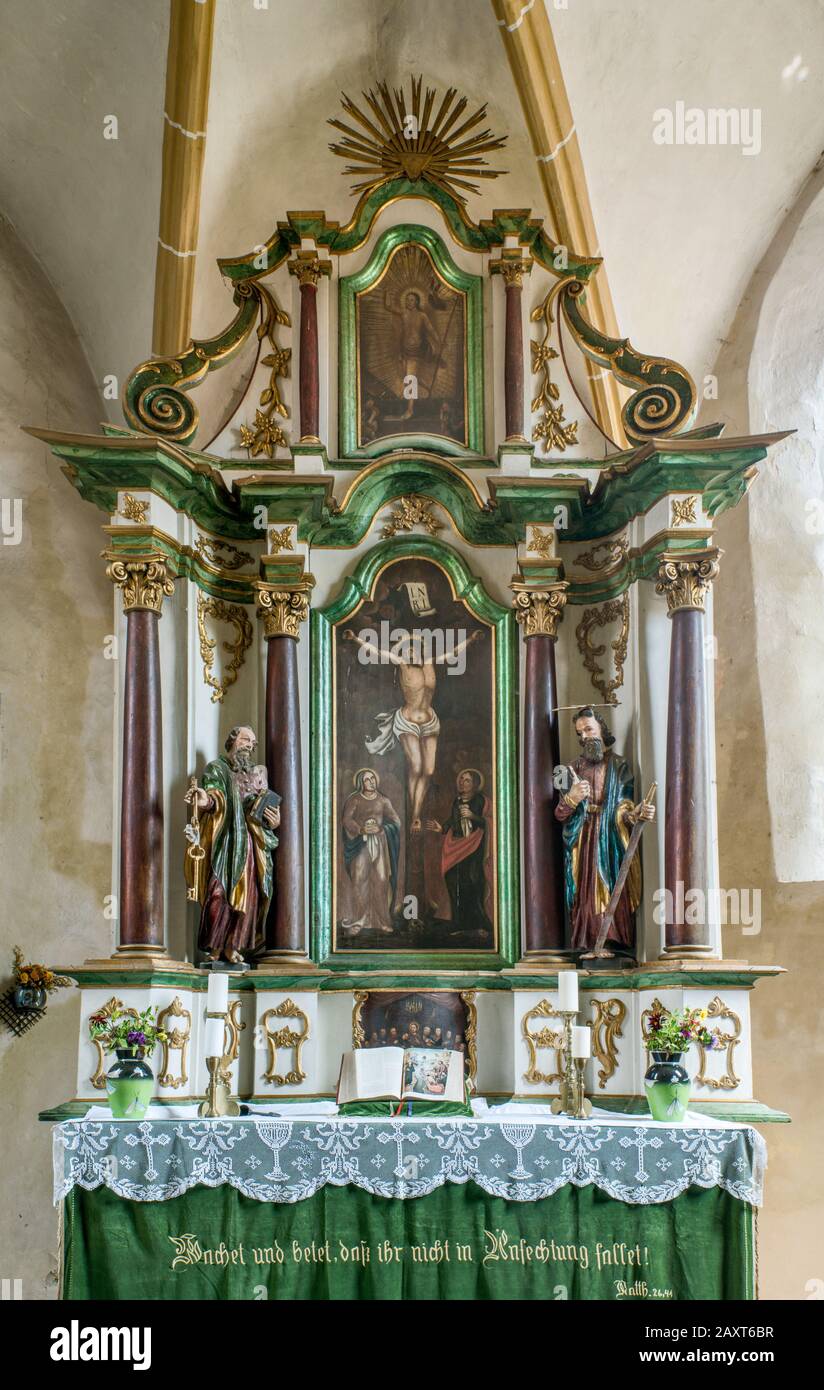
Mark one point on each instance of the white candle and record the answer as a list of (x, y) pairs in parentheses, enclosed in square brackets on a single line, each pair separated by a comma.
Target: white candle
[(214, 1037), (217, 1000), (581, 1039), (568, 991)]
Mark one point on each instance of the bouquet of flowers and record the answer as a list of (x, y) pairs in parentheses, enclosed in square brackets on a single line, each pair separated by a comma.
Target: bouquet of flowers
[(122, 1031), (672, 1033), (33, 976)]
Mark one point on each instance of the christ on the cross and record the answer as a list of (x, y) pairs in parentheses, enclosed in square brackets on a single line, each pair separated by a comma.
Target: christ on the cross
[(414, 725)]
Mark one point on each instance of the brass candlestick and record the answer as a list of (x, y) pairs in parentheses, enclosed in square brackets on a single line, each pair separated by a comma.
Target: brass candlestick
[(564, 1104), (583, 1107), (219, 1100)]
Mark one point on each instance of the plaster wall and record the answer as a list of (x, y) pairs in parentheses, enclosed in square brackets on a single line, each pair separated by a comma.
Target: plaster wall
[(56, 703), (768, 625)]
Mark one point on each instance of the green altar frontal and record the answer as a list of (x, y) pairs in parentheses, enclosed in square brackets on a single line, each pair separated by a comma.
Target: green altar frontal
[(318, 1207)]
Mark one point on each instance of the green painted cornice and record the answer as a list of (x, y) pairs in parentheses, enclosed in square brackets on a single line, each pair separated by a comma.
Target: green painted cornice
[(481, 237), (99, 466), (717, 470)]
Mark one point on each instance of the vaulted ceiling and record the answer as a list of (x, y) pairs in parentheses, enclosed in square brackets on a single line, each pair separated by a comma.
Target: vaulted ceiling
[(681, 227)]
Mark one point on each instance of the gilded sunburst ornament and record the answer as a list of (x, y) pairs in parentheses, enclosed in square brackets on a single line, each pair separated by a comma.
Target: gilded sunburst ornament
[(405, 139)]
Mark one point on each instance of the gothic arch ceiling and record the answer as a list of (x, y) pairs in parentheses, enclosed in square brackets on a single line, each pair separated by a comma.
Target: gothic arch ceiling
[(681, 227)]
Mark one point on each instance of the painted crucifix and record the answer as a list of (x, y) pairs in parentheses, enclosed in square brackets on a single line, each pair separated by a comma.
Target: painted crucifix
[(414, 724)]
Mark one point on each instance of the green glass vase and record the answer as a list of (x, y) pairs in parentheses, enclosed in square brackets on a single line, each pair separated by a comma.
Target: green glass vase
[(667, 1085), (129, 1085)]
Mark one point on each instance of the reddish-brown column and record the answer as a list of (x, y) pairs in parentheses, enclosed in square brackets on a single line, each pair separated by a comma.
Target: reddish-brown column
[(685, 582), (283, 610), (308, 269), (513, 273), (538, 611), (140, 909)]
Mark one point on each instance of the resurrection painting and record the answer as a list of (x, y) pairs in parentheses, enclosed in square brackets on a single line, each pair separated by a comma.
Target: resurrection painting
[(414, 769), (411, 331)]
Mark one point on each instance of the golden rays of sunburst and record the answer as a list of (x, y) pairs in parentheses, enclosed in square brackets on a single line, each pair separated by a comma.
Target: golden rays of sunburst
[(400, 139)]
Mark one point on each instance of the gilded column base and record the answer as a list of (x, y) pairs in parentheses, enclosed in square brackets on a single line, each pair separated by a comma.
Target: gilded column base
[(687, 952), (286, 963), (542, 962), (139, 958)]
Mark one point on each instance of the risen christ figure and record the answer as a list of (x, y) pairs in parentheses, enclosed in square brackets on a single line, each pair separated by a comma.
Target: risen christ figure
[(418, 340), (415, 725)]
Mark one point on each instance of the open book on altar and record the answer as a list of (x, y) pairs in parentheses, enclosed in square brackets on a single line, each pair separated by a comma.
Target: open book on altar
[(401, 1073)]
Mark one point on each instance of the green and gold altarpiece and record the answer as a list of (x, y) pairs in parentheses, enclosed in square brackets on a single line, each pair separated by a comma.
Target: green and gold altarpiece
[(412, 389)]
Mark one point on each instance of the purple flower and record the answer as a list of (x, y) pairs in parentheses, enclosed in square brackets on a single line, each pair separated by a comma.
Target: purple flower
[(136, 1039)]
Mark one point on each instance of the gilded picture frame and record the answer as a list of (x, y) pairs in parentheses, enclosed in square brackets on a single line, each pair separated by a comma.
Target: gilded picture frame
[(453, 883)]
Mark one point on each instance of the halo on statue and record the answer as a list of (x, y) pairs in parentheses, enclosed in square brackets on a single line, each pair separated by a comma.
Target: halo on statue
[(586, 704), (475, 773)]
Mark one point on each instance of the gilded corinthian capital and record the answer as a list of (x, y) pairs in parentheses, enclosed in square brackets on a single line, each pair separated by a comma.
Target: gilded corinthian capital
[(309, 268), (144, 580), (539, 610), (513, 271), (283, 610), (684, 579)]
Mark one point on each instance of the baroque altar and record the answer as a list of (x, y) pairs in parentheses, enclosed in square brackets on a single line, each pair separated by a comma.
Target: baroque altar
[(443, 518)]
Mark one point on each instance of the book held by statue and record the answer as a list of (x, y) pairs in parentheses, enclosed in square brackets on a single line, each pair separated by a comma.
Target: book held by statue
[(401, 1073)]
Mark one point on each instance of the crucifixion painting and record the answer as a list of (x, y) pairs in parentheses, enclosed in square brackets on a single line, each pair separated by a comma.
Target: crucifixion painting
[(414, 715)]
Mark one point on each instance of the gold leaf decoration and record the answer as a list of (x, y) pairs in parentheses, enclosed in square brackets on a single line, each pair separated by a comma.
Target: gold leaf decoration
[(265, 434), (232, 559), (223, 612), (542, 543), (412, 511), (615, 610), (134, 510), (615, 554), (552, 428), (405, 140), (280, 540), (683, 511)]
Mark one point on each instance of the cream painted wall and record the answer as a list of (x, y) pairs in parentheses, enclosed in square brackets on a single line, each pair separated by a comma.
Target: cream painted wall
[(768, 607), (55, 738)]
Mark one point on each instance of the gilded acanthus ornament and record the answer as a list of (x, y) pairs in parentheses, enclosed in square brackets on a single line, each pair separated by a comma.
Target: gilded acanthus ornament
[(285, 1038), (266, 435), (232, 558), (513, 271), (615, 554), (685, 579), (552, 429), (412, 511), (280, 539), (143, 579), (539, 610), (283, 610), (542, 543), (545, 1038), (134, 510), (683, 511), (613, 611), (308, 269), (606, 1027), (232, 613), (729, 1041)]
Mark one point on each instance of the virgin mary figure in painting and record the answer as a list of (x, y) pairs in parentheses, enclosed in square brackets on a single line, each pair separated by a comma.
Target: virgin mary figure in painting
[(464, 853), (371, 840)]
